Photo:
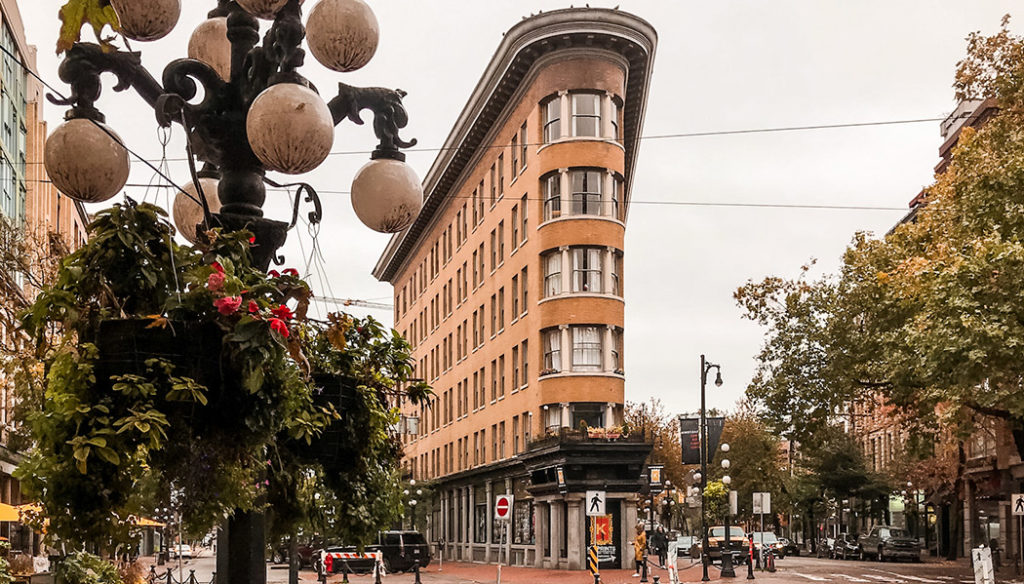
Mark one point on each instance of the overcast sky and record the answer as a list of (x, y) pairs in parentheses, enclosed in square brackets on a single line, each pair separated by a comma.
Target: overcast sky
[(722, 65)]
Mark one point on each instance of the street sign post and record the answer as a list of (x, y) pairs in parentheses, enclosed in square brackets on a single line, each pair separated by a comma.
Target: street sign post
[(596, 504), (762, 505), (503, 513), (1017, 505)]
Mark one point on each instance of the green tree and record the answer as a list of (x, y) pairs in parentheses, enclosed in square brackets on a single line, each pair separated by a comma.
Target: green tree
[(756, 461), (927, 319)]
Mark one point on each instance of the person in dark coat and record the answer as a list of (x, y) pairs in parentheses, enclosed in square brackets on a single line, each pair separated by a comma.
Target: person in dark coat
[(659, 545)]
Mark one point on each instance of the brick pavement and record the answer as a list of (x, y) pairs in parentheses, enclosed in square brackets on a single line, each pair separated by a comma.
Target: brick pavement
[(461, 573)]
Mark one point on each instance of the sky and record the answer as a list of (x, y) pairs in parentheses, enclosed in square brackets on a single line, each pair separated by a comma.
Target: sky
[(720, 66)]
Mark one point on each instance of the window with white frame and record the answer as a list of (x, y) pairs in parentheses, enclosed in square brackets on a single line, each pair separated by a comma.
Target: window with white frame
[(552, 119), (553, 350), (553, 417), (615, 119), (552, 274), (552, 197), (586, 348), (587, 269), (586, 191), (616, 364), (586, 114)]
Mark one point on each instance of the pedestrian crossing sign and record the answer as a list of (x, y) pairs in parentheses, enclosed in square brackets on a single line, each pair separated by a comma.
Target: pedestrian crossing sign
[(1017, 503), (595, 503)]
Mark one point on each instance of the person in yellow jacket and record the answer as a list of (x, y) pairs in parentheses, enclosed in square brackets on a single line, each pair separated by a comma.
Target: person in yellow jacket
[(639, 547)]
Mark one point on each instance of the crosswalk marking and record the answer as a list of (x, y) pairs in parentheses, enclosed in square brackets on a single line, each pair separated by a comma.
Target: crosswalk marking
[(809, 577), (882, 578), (850, 578), (914, 578)]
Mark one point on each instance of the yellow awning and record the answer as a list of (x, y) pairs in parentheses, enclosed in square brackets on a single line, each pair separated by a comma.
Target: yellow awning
[(9, 513), (144, 522)]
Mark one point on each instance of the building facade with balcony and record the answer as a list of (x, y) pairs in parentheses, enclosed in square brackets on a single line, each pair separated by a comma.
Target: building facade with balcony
[(510, 288)]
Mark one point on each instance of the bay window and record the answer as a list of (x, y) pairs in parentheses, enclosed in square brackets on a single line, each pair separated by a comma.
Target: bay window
[(586, 269), (552, 119), (552, 274), (552, 197), (586, 192), (586, 114), (586, 348), (553, 350)]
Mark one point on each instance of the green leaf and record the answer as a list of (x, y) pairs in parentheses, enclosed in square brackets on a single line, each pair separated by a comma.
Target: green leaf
[(77, 13)]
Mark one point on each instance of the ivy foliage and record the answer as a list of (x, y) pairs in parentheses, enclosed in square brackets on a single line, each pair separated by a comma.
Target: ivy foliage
[(208, 420)]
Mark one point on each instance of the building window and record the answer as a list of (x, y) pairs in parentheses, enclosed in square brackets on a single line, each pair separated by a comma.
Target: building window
[(586, 348), (501, 308), (591, 414), (522, 206), (494, 314), (524, 290), (501, 376), (552, 274), (494, 250), (515, 156), (479, 214), (501, 242), (586, 114), (526, 367), (515, 434), (552, 119), (553, 418), (616, 197), (552, 351), (586, 192), (515, 297), (501, 442), (586, 269), (515, 368), (617, 350), (515, 227), (552, 197), (615, 119), (522, 146), (501, 175), (494, 185)]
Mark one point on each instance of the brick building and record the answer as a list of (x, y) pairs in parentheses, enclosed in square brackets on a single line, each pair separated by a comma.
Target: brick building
[(510, 287)]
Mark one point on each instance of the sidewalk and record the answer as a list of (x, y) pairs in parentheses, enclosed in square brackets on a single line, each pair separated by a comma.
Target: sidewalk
[(462, 573)]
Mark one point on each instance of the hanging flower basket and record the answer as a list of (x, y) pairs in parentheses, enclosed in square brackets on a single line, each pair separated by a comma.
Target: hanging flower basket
[(193, 348), (332, 448)]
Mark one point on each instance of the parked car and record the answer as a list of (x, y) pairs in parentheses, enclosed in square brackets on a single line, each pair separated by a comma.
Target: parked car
[(767, 539), (182, 550), (847, 547), (305, 552), (789, 547), (684, 543), (884, 542), (716, 542)]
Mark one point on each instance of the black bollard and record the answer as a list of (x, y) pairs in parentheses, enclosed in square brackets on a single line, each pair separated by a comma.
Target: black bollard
[(376, 572), (597, 578), (192, 577), (416, 571), (657, 579), (727, 570), (643, 569), (750, 569), (344, 573)]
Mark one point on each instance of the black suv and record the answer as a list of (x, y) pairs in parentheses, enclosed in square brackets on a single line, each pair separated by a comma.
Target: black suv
[(402, 549)]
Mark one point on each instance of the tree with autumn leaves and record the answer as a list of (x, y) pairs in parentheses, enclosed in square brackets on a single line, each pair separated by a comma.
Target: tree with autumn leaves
[(928, 319)]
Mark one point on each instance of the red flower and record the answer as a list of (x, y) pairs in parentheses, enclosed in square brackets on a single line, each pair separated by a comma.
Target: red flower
[(215, 283), (283, 312), (291, 272), (274, 274), (217, 266), (252, 240), (253, 307), (279, 326), (228, 305)]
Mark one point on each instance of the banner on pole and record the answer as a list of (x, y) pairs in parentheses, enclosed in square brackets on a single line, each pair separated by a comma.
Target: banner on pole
[(689, 436)]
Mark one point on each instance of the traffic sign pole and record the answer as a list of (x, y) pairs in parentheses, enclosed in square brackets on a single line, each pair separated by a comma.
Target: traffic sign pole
[(503, 506)]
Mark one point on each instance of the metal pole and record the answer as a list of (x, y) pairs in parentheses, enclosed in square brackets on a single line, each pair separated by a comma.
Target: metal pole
[(727, 568), (705, 556)]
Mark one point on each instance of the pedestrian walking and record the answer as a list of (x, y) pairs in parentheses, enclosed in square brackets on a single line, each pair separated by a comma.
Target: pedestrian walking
[(639, 547), (660, 544)]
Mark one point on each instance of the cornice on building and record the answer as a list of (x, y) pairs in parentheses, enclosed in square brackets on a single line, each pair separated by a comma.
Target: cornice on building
[(521, 48)]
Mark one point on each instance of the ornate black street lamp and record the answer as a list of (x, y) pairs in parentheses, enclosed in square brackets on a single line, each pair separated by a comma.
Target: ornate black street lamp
[(256, 113), (705, 368)]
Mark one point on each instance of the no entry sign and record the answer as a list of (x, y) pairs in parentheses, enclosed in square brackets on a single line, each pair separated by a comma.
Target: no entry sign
[(503, 507)]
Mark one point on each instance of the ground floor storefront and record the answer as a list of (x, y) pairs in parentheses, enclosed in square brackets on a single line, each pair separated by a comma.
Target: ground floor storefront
[(549, 526)]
